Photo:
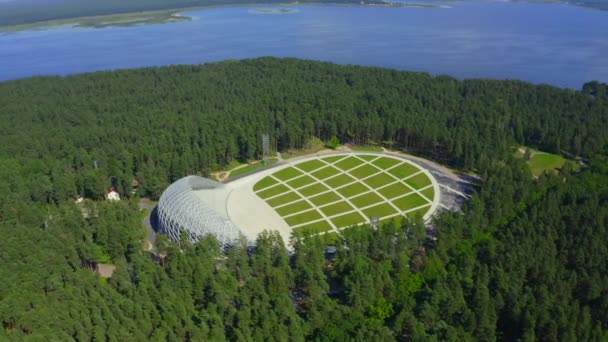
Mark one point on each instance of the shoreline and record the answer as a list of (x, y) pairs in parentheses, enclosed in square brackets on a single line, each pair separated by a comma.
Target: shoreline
[(174, 15)]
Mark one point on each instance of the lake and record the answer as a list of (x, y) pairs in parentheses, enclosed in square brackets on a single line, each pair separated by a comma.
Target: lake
[(542, 43)]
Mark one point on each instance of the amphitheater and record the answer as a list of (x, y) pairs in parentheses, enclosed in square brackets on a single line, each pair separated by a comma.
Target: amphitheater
[(318, 194)]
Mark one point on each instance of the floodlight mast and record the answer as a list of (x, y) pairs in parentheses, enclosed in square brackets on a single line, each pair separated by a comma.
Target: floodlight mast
[(265, 148)]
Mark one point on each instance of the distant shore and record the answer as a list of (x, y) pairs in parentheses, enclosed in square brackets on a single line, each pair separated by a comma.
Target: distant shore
[(173, 15)]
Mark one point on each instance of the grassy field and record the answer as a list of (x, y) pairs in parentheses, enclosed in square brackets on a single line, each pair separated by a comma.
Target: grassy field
[(300, 182), (348, 220), (365, 200), (339, 180), (366, 148), (325, 198), (250, 168), (275, 190), (287, 198), (541, 162), (352, 185), (264, 183), (394, 190), (380, 210), (293, 208), (337, 208)]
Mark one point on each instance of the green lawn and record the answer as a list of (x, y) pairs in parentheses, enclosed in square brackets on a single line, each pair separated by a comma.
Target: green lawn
[(325, 198), (419, 212), (250, 168), (293, 208), (264, 183), (379, 180), (429, 192), (310, 165), (313, 228), (403, 170), (348, 220), (287, 173), (312, 189), (352, 190), (300, 181), (325, 172), (367, 157), (540, 163), (333, 159), (418, 181), (380, 210), (275, 190), (336, 208), (394, 190), (283, 199), (385, 163), (348, 163), (365, 200), (367, 148), (410, 201), (364, 171), (308, 216), (339, 180)]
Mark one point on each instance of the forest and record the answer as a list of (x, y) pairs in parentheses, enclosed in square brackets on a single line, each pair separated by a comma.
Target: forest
[(526, 259)]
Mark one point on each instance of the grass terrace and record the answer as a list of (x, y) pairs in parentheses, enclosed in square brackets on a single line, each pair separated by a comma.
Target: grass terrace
[(344, 190)]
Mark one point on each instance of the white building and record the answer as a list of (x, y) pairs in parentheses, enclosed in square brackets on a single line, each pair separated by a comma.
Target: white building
[(113, 196)]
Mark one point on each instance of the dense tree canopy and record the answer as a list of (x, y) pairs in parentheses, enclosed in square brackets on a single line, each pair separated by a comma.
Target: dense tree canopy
[(527, 259)]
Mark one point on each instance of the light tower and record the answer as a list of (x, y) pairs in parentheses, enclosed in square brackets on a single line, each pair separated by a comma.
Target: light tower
[(265, 148)]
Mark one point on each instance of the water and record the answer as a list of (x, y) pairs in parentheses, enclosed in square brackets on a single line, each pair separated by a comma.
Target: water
[(556, 44)]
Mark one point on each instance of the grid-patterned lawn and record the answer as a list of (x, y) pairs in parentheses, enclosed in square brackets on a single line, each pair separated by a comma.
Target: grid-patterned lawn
[(353, 190), (311, 165), (307, 216), (275, 190), (385, 163), (419, 212), (394, 190), (293, 208), (418, 181), (287, 173), (348, 220), (283, 199), (365, 200), (337, 208), (379, 180), (409, 202), (348, 163), (403, 170), (325, 198), (364, 171), (313, 228), (313, 197), (264, 183), (313, 189), (380, 210), (429, 193), (325, 172), (300, 181), (339, 180)]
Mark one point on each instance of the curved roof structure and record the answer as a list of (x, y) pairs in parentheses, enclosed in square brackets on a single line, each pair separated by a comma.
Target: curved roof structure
[(197, 206)]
